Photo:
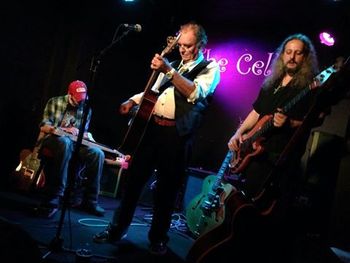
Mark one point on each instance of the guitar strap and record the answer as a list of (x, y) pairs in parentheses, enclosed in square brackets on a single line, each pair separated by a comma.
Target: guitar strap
[(183, 71), (72, 117), (188, 115), (68, 118)]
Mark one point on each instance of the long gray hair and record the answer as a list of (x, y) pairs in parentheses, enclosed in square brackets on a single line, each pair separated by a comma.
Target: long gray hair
[(308, 70)]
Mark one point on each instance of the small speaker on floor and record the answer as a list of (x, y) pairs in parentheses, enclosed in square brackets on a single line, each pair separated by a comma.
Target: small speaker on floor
[(192, 187), (111, 180)]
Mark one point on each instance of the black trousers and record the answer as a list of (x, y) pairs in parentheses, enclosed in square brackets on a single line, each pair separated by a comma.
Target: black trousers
[(164, 150)]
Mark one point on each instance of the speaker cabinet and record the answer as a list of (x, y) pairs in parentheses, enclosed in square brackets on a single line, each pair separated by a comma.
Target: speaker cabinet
[(194, 184), (111, 180), (191, 188), (320, 181), (340, 216)]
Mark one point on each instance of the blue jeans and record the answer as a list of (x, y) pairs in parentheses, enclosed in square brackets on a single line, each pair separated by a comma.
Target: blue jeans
[(57, 152)]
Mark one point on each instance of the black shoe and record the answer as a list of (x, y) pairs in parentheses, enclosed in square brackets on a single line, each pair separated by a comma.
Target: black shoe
[(109, 235), (92, 208), (158, 248), (44, 211), (53, 202)]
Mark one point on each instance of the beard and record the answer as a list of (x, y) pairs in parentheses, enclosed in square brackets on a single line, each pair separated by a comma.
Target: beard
[(291, 71)]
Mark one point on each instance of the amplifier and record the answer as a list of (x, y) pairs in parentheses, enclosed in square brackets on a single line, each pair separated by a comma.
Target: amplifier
[(194, 183)]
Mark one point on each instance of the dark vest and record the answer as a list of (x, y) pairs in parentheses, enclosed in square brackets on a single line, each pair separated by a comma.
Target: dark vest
[(188, 116)]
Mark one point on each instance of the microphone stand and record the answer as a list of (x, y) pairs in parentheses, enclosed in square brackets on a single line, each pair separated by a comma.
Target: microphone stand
[(56, 243)]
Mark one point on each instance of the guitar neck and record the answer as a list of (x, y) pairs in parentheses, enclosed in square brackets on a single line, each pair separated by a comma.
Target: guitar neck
[(38, 143), (320, 79), (140, 120), (85, 142), (222, 169)]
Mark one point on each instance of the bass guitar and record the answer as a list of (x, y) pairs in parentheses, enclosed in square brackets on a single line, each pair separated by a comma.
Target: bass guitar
[(143, 114), (251, 144), (207, 210), (244, 217)]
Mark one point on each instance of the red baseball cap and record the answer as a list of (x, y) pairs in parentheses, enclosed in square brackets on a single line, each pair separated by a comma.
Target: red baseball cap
[(77, 89)]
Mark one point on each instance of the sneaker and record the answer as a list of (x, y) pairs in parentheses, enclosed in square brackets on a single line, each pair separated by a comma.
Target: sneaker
[(92, 208), (109, 235), (158, 249)]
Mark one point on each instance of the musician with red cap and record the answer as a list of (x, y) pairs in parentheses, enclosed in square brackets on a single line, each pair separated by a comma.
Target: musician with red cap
[(65, 114)]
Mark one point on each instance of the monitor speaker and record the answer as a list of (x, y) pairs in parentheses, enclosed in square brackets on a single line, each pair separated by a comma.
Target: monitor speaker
[(194, 184), (191, 188), (111, 180)]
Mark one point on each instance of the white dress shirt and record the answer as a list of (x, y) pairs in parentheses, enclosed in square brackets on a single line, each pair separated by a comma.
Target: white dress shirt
[(205, 83)]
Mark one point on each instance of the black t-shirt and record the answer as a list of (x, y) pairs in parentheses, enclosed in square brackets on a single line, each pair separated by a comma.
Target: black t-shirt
[(268, 100), (276, 139)]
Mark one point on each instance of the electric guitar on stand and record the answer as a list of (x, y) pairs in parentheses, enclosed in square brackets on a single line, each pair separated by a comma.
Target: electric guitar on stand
[(207, 210)]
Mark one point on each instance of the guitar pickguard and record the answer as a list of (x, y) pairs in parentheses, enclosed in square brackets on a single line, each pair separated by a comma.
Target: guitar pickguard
[(207, 210)]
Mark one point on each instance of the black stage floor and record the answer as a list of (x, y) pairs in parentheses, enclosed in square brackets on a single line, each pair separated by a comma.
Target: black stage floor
[(18, 211), (23, 232)]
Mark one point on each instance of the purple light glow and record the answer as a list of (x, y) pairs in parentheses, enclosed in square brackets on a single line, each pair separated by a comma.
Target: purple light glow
[(244, 65), (326, 39)]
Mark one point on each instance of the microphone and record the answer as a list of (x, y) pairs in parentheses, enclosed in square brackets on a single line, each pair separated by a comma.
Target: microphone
[(136, 27)]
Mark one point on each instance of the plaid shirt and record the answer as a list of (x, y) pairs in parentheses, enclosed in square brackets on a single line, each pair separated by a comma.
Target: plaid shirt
[(56, 108)]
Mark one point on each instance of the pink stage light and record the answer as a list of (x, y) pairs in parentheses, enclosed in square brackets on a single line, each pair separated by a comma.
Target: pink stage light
[(326, 39)]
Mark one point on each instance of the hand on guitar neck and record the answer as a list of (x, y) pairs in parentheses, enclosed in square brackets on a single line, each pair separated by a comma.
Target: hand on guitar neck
[(246, 142), (126, 106), (49, 129)]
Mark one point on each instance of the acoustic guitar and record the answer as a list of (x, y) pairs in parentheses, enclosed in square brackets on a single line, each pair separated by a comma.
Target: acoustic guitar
[(28, 175), (144, 111)]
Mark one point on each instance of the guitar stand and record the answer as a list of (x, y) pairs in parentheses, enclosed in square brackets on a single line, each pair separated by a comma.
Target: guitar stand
[(56, 244)]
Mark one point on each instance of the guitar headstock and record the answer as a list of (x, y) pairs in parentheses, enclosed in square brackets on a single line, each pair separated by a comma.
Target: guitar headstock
[(322, 77), (339, 62), (171, 44)]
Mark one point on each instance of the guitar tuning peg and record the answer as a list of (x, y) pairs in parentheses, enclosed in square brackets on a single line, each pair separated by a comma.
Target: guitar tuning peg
[(171, 40)]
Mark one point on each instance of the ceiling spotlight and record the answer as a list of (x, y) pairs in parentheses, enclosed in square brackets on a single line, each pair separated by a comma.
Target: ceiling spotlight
[(327, 39)]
